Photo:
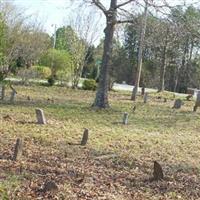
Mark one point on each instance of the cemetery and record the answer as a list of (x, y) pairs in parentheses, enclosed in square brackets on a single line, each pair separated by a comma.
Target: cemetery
[(99, 100)]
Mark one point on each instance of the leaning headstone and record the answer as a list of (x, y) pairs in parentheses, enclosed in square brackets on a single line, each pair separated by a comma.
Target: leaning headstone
[(145, 97), (40, 116), (85, 137), (18, 149), (2, 89), (197, 104), (12, 95), (157, 172), (177, 104), (125, 118)]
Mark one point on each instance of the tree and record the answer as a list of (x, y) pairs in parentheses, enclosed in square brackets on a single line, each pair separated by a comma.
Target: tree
[(140, 53), (101, 100), (57, 60)]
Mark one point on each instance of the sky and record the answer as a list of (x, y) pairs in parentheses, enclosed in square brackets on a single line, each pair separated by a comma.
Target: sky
[(56, 12)]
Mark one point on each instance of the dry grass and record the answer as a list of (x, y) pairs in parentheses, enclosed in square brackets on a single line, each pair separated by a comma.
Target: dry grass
[(118, 160)]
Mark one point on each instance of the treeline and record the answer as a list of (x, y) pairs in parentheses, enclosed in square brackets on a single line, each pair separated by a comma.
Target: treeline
[(171, 58)]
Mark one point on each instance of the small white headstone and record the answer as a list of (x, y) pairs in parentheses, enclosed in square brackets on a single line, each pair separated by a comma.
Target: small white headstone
[(125, 118), (40, 116)]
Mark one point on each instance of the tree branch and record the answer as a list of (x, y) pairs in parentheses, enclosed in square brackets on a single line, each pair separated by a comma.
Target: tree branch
[(123, 4), (100, 6), (124, 21)]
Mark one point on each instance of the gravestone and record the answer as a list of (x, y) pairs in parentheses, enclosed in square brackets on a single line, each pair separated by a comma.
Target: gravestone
[(177, 104), (85, 137), (12, 95), (197, 104), (165, 100), (40, 116), (125, 118), (18, 150), (158, 172), (146, 97), (2, 92)]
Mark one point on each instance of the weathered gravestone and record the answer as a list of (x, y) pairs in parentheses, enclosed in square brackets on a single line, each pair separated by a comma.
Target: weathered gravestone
[(12, 95), (197, 104), (146, 97), (2, 92), (125, 118), (177, 104), (158, 172), (18, 150), (85, 137), (40, 116)]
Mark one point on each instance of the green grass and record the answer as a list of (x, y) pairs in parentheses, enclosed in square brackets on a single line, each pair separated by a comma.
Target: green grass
[(118, 159)]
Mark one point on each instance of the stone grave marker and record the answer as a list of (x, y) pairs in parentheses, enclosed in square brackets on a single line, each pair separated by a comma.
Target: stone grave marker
[(40, 116), (85, 137), (177, 104), (197, 103), (146, 97), (158, 172), (125, 118), (18, 150)]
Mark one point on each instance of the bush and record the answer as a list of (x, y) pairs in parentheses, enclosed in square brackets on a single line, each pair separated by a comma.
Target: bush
[(43, 72), (89, 84), (51, 81)]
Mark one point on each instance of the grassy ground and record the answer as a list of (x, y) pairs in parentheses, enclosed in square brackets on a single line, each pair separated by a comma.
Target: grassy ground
[(117, 162)]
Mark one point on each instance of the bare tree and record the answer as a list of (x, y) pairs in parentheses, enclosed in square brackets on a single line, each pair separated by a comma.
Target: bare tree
[(140, 52), (111, 14)]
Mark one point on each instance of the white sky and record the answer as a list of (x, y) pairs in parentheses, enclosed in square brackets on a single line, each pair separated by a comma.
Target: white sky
[(55, 11)]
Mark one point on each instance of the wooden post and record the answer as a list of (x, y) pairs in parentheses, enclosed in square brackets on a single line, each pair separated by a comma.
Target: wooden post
[(85, 137), (18, 149), (40, 116), (145, 97), (125, 118)]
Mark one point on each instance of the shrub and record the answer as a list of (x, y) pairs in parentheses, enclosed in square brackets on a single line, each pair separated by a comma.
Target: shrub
[(89, 84)]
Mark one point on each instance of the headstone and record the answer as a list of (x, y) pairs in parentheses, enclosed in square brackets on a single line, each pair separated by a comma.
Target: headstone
[(158, 172), (40, 116), (2, 90), (125, 118), (12, 95), (85, 137), (145, 97), (197, 103), (143, 91), (18, 150), (49, 186), (165, 100), (177, 104)]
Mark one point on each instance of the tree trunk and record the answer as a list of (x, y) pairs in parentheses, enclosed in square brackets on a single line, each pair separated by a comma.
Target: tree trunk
[(139, 67), (163, 69), (101, 100)]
